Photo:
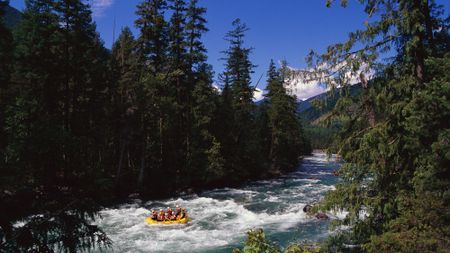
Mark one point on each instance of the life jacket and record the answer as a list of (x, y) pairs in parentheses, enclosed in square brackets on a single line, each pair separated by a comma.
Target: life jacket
[(162, 216), (154, 216), (169, 213), (177, 211)]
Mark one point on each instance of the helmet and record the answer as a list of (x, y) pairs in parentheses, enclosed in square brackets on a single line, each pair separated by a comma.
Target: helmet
[(177, 206)]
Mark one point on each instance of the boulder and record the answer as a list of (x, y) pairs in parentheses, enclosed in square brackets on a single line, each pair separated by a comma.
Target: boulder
[(307, 208), (322, 216)]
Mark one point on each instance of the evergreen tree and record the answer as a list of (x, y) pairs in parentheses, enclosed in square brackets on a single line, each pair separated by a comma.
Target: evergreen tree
[(6, 45), (393, 135), (153, 103), (176, 34), (238, 69), (152, 42), (178, 94), (207, 162), (125, 69), (224, 121), (203, 149), (6, 64), (195, 27), (53, 138), (285, 130)]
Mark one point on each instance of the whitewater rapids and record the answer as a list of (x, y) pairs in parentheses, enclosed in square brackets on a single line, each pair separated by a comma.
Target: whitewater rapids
[(220, 218)]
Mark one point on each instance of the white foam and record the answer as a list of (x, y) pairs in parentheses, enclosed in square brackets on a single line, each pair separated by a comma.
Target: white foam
[(219, 217), (214, 223)]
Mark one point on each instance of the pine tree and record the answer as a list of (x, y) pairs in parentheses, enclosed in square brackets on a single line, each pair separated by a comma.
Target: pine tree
[(203, 149), (178, 94), (125, 68), (238, 69), (152, 43), (224, 121), (286, 134), (207, 163), (392, 131), (52, 133), (6, 64), (176, 34), (195, 27), (153, 93), (6, 45)]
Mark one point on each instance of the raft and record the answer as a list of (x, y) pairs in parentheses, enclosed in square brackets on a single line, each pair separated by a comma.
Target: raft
[(167, 222)]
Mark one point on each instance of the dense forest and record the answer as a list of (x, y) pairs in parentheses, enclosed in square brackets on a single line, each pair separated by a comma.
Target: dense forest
[(394, 137), (82, 126)]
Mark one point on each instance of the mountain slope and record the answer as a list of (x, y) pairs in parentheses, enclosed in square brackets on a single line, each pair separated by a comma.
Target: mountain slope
[(321, 137), (310, 113)]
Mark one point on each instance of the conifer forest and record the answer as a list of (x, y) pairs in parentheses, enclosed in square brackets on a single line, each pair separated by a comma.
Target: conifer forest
[(85, 127)]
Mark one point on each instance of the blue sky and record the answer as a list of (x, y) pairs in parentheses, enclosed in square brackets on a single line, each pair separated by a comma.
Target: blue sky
[(279, 29)]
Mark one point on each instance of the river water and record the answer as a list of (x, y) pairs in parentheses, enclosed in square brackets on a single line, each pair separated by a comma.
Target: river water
[(220, 218)]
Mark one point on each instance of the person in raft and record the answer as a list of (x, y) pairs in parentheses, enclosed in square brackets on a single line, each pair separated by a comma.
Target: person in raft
[(154, 215), (162, 215), (183, 213), (177, 211), (170, 215)]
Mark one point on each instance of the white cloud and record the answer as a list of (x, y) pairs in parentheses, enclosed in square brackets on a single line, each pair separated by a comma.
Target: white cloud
[(99, 7), (216, 87), (257, 95), (304, 90)]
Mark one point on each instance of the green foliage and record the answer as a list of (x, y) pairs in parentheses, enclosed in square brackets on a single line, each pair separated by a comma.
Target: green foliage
[(54, 124), (256, 242), (297, 248), (287, 141), (237, 101), (320, 137), (394, 136), (6, 65)]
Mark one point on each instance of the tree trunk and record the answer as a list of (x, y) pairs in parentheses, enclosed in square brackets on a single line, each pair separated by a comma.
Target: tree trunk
[(121, 155), (142, 167), (419, 50), (429, 25)]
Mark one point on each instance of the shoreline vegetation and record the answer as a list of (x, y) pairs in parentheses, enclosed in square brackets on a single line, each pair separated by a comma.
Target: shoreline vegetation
[(83, 126)]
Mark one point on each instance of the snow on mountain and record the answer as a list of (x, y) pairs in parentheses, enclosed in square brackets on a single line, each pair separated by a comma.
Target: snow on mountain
[(303, 89)]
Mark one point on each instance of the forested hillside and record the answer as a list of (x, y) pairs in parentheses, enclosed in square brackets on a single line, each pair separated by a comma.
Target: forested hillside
[(82, 126), (317, 115)]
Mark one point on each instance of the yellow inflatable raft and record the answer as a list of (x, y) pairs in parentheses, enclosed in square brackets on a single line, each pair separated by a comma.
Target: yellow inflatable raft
[(167, 222)]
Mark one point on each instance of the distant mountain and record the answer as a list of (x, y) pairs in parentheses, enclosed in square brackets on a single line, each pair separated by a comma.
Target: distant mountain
[(309, 113), (12, 17)]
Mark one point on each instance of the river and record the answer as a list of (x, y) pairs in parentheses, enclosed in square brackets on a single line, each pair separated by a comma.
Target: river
[(220, 217)]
